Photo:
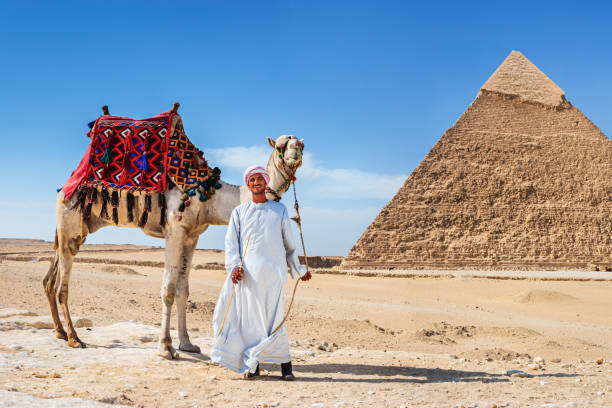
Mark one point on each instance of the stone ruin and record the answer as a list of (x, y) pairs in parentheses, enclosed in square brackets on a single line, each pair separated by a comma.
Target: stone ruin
[(522, 180)]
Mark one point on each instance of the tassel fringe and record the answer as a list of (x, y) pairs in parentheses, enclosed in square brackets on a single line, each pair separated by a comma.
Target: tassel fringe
[(93, 197), (115, 204), (144, 163), (145, 214), (161, 201), (143, 219), (148, 202), (130, 207), (104, 209), (115, 198), (80, 202), (107, 157), (87, 211)]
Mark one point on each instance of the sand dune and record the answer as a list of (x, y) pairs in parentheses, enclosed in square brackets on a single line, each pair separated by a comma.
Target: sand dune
[(542, 296)]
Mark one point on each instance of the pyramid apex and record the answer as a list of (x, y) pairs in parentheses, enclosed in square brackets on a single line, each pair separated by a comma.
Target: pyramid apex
[(520, 77)]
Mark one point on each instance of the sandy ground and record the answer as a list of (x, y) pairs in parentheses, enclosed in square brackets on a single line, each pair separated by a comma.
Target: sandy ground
[(446, 341)]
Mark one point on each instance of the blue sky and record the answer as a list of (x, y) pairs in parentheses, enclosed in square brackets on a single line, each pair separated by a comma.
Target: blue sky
[(370, 86)]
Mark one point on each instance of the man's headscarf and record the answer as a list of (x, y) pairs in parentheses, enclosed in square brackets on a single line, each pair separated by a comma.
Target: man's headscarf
[(256, 170)]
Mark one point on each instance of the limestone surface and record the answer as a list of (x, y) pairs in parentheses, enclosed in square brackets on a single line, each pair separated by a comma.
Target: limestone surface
[(523, 179), (518, 76)]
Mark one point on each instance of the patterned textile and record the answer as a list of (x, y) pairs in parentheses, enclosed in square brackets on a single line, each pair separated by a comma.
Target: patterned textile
[(186, 164), (139, 155), (128, 154)]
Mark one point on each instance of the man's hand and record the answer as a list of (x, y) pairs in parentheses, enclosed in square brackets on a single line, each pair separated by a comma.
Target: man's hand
[(306, 276), (237, 275)]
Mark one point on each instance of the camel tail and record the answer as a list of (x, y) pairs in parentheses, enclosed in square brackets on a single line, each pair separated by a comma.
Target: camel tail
[(55, 243)]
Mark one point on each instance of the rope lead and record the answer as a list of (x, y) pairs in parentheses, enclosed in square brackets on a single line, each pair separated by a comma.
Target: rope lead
[(299, 223)]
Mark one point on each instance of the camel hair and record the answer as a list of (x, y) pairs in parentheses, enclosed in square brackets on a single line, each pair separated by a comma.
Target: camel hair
[(181, 234)]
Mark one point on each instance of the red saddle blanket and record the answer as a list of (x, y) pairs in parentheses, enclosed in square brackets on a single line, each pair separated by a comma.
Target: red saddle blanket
[(140, 155)]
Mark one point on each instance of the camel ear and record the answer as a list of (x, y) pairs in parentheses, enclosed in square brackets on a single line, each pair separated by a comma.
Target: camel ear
[(302, 143), (271, 142)]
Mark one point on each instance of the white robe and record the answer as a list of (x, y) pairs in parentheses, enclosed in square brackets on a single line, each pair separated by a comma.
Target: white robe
[(257, 307)]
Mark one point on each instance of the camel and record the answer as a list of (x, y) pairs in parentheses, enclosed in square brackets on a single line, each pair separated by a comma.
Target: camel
[(181, 231)]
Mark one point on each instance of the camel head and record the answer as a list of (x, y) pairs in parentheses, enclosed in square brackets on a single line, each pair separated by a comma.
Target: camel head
[(283, 164), (288, 149)]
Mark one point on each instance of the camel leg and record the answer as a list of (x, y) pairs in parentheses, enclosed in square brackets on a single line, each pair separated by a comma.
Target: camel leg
[(50, 285), (66, 252), (182, 294), (175, 245)]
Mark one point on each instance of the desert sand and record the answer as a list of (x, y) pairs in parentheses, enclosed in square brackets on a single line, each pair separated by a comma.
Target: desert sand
[(436, 339)]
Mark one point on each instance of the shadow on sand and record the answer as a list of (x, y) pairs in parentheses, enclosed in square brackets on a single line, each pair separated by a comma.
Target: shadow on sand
[(363, 373), (183, 356)]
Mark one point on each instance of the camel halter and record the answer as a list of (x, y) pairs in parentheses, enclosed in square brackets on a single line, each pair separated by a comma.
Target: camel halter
[(284, 171)]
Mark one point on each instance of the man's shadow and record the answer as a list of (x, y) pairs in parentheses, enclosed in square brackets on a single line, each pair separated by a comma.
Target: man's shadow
[(364, 373)]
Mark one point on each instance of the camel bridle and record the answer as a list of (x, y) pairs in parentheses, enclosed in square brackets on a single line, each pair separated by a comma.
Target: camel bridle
[(286, 172)]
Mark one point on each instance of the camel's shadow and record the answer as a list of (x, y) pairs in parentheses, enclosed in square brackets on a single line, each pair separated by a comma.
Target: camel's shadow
[(365, 373)]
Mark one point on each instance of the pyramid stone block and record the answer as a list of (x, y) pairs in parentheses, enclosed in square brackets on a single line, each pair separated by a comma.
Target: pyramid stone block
[(522, 180)]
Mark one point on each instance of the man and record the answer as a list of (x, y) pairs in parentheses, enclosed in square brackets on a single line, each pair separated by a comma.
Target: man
[(255, 291)]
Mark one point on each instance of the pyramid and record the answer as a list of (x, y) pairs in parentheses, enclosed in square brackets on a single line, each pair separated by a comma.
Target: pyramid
[(522, 180)]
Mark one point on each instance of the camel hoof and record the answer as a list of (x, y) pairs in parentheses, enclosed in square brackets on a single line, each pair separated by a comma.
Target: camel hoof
[(61, 334), (167, 352), (76, 343), (190, 348)]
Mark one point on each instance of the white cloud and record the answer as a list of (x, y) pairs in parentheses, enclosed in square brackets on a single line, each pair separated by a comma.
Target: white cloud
[(322, 181), (239, 157), (349, 183)]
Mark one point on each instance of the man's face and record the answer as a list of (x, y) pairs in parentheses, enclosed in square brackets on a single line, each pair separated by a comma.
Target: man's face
[(257, 184)]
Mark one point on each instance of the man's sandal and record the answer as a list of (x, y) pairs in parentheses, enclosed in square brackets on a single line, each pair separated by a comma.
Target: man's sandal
[(249, 375), (287, 372)]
